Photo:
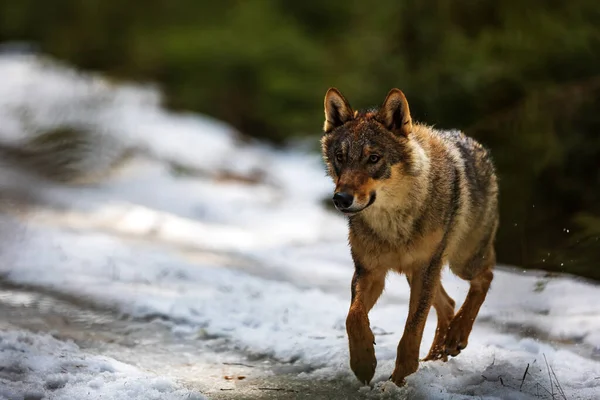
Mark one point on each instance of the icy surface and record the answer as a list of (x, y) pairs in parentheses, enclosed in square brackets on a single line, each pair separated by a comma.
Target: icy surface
[(40, 367)]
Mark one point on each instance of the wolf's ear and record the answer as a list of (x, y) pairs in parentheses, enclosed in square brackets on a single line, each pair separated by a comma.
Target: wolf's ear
[(394, 113), (337, 110)]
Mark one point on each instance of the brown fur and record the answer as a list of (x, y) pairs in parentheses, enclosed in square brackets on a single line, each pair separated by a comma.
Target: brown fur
[(420, 198)]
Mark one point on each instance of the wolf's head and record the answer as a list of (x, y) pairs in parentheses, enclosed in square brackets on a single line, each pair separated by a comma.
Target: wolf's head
[(366, 152)]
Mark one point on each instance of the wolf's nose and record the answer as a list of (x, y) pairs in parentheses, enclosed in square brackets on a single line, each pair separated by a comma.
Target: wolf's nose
[(343, 200)]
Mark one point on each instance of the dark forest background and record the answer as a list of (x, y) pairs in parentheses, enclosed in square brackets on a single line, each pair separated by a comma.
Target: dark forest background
[(523, 77)]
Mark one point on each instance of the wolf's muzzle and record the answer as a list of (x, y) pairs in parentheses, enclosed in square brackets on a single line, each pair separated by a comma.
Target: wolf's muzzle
[(343, 200)]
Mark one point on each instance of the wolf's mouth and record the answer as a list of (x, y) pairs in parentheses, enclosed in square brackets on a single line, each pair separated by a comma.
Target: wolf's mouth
[(353, 211)]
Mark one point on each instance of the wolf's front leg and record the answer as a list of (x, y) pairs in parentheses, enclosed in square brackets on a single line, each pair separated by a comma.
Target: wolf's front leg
[(366, 289), (423, 287)]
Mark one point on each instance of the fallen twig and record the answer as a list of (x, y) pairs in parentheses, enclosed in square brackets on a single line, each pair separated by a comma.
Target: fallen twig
[(240, 364), (498, 380), (524, 375), (278, 389), (558, 385), (549, 377), (542, 386)]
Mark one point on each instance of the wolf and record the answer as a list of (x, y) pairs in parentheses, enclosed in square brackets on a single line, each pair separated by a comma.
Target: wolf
[(416, 199)]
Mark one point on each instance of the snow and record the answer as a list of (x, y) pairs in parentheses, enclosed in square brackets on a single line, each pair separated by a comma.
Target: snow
[(262, 265), (34, 366)]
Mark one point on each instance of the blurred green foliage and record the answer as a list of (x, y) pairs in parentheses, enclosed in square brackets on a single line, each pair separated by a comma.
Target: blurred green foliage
[(521, 76)]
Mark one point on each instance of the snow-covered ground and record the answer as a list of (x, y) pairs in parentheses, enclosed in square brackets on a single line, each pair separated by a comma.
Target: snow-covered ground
[(33, 366), (150, 242)]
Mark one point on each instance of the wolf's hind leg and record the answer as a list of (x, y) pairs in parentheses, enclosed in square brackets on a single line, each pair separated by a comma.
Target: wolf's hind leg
[(461, 325), (444, 309)]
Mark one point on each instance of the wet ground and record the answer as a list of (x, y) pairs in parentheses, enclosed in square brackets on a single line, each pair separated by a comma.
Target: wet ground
[(196, 361), (203, 364)]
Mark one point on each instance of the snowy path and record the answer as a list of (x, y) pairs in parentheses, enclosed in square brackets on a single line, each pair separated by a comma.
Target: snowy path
[(198, 361), (187, 365), (214, 276), (232, 307), (50, 349)]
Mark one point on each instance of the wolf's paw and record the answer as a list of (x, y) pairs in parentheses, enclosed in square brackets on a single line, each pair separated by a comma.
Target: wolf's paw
[(362, 351), (361, 342), (456, 340), (437, 352), (362, 357), (402, 370)]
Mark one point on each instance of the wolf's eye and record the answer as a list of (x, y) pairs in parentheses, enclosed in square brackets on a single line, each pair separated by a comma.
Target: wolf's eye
[(339, 157), (373, 158)]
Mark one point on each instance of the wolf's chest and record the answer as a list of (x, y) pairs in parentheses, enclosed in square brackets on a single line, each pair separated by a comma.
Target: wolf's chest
[(391, 241), (401, 256), (393, 227)]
